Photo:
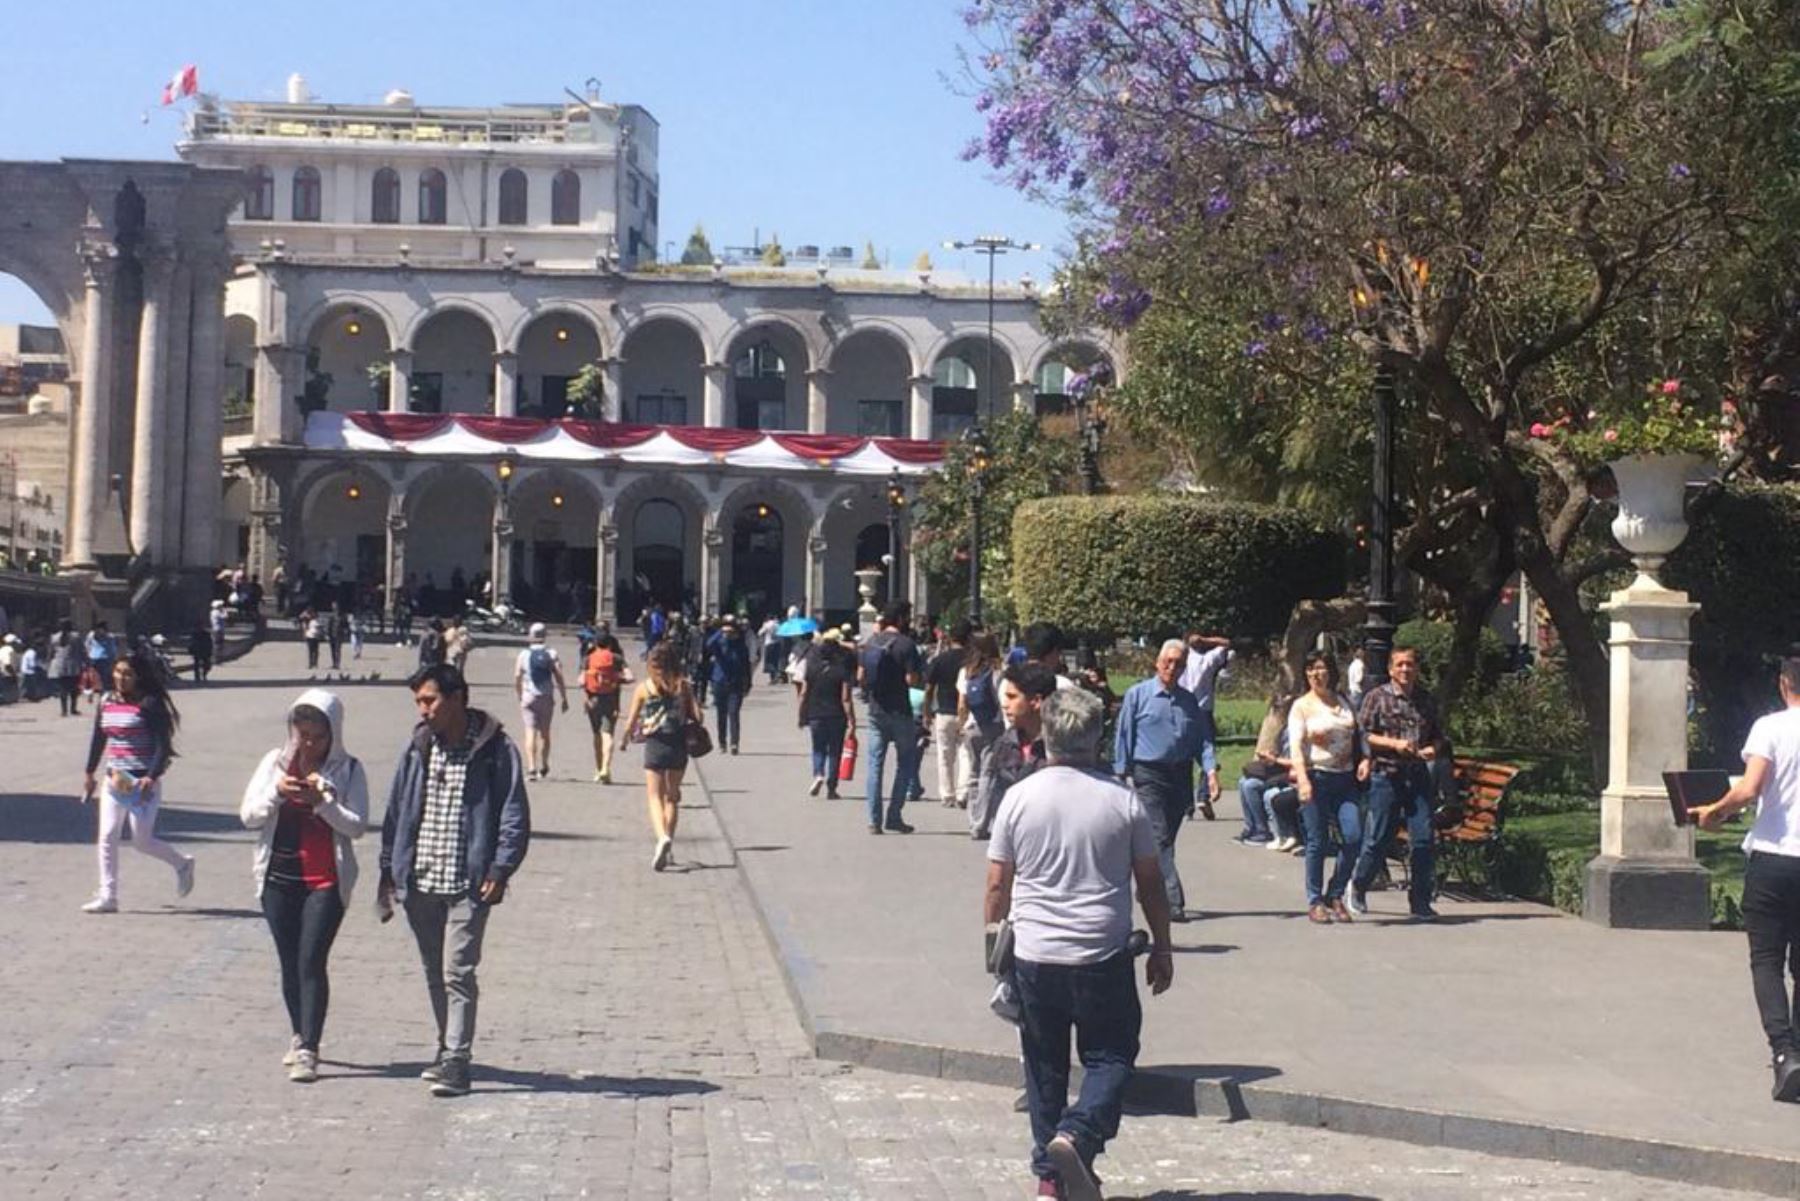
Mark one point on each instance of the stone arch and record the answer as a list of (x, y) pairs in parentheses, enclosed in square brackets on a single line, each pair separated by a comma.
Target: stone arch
[(550, 308), (553, 345), (808, 337), (334, 300), (877, 325), (630, 588), (664, 377), (408, 339), (453, 348), (555, 511), (771, 591), (960, 383), (449, 511), (349, 338), (340, 510), (869, 389), (1053, 348), (1003, 345), (753, 402), (851, 510)]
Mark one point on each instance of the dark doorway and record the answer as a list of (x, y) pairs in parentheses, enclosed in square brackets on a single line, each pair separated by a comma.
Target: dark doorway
[(760, 377), (756, 556)]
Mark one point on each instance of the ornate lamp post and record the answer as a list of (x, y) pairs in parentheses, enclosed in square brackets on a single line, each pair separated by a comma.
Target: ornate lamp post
[(980, 459), (1090, 428), (896, 499), (1378, 630), (991, 245), (501, 569)]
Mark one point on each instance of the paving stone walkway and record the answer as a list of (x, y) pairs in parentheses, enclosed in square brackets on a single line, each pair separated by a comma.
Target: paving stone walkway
[(636, 1039)]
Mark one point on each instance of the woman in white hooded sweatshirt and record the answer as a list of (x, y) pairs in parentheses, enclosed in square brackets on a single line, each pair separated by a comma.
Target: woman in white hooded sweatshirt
[(309, 798)]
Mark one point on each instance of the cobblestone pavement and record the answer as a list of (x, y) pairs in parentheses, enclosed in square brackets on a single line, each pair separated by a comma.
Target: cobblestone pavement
[(636, 1040)]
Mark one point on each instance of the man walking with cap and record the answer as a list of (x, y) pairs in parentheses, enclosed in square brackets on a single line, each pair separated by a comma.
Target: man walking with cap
[(537, 671)]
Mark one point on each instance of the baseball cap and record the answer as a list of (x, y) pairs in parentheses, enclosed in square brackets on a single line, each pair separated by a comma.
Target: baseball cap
[(538, 630)]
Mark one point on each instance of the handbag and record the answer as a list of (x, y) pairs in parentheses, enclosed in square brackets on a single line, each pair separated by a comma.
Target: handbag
[(698, 739)]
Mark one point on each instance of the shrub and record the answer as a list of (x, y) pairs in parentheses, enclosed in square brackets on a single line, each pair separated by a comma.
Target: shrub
[(1432, 639), (1741, 562), (1160, 565), (1533, 710), (1568, 879), (1520, 867)]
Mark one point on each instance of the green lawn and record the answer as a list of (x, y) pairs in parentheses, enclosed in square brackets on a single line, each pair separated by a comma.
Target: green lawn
[(1720, 852)]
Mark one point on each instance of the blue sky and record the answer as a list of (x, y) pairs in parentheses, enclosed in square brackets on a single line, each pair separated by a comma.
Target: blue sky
[(826, 121)]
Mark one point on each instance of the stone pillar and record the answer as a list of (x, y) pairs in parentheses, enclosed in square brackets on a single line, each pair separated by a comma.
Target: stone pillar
[(714, 408), (818, 400), (612, 405), (501, 566), (921, 406), (1646, 876), (205, 416), (399, 397), (280, 376), (506, 384), (266, 532), (816, 546), (149, 464), (711, 540), (916, 587), (394, 581), (173, 434), (93, 420), (1024, 397), (606, 588)]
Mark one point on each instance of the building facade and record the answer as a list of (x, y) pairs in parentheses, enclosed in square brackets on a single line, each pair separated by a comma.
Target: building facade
[(458, 357)]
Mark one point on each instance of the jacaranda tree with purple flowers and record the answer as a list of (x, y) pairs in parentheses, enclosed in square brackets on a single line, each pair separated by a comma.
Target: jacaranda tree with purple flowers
[(1534, 213)]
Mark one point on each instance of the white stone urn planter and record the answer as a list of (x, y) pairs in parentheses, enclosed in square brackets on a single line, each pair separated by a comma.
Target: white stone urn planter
[(865, 587), (1652, 520)]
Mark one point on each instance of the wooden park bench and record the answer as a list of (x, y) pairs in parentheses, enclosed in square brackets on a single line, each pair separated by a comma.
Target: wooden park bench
[(1469, 833)]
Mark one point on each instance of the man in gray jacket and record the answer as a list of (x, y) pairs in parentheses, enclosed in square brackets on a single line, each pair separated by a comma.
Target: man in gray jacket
[(457, 827)]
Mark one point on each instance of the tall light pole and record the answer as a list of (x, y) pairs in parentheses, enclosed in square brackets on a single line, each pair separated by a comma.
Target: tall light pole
[(979, 458), (1378, 629), (993, 246), (896, 499)]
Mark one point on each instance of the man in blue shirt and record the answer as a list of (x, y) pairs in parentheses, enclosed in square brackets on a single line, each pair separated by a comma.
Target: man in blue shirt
[(1161, 736)]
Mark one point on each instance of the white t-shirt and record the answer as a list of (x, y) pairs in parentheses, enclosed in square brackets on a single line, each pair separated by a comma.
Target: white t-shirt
[(1324, 734), (1201, 673), (1071, 836), (1777, 826), (530, 692)]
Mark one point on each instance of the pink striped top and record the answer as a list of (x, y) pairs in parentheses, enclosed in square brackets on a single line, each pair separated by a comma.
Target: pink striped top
[(130, 743)]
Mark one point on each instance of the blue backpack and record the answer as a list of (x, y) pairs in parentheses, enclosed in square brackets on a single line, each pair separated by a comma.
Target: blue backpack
[(983, 698), (538, 667)]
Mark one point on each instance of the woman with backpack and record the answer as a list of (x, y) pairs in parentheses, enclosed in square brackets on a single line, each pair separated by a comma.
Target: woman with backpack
[(134, 740), (308, 799), (828, 709), (661, 710), (537, 671), (603, 670), (978, 705)]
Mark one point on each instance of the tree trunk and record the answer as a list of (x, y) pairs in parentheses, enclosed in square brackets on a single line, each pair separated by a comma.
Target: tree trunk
[(1582, 649)]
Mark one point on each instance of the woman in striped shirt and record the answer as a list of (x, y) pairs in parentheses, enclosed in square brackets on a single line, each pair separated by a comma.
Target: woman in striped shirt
[(134, 730)]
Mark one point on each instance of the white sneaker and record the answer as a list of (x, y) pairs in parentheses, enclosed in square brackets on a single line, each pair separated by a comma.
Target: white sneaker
[(1359, 900), (101, 905), (1278, 844), (293, 1052), (665, 851), (818, 786), (184, 877), (305, 1068)]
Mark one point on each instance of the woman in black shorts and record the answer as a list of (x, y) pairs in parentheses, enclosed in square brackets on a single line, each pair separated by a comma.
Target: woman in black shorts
[(661, 708)]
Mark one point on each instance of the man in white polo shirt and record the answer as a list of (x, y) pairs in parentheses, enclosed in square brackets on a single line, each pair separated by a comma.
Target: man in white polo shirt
[(1068, 844), (1771, 781)]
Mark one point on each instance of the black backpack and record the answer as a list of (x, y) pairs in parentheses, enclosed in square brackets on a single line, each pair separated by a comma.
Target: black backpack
[(883, 673)]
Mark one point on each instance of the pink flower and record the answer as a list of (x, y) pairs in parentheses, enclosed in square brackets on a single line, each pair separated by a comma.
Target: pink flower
[(1671, 387), (1610, 436), (1539, 430), (1728, 405)]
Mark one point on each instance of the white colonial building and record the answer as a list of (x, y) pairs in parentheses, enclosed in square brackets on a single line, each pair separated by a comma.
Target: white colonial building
[(420, 290)]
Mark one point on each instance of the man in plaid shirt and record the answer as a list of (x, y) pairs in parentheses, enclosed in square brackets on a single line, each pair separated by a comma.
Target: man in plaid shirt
[(457, 826), (1405, 741)]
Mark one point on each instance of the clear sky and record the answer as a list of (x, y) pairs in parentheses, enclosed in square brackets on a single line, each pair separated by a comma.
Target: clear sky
[(826, 121)]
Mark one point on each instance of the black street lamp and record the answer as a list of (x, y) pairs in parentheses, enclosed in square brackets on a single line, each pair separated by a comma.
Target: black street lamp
[(980, 459), (1378, 630), (1090, 427), (993, 246), (896, 499)]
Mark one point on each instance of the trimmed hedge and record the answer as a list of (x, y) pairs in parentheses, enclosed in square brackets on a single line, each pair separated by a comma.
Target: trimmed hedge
[(1161, 565)]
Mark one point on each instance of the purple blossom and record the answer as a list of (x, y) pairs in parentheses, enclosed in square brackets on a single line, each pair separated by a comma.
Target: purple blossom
[(1315, 331), (1679, 171), (1218, 202), (1256, 349), (1338, 54)]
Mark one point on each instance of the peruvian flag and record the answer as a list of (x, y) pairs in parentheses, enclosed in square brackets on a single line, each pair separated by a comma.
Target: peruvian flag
[(184, 82)]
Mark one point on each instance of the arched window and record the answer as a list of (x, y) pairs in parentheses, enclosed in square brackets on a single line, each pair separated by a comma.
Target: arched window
[(433, 207), (512, 196), (384, 197), (565, 198), (260, 206), (308, 200)]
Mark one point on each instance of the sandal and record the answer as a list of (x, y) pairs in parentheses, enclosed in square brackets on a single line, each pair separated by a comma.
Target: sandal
[(1319, 915)]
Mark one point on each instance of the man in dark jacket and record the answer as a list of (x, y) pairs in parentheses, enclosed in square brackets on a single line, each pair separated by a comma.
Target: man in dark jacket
[(457, 827), (728, 656), (1018, 752)]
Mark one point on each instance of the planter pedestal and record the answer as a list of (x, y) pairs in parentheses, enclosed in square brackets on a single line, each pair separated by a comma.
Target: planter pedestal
[(1646, 876)]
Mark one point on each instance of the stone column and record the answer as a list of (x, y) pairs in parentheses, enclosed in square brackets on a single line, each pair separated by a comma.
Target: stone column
[(916, 588), (711, 540), (1024, 397), (93, 423), (816, 546), (921, 406), (395, 579), (714, 408), (172, 436), (280, 375), (205, 416), (506, 384), (1646, 876), (612, 405), (606, 600), (501, 566), (149, 467), (266, 532), (399, 397), (818, 400)]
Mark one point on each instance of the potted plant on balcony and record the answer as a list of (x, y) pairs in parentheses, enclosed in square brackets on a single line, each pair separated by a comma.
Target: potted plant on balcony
[(587, 393)]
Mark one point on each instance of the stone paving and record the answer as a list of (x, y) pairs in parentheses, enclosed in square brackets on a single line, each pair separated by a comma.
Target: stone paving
[(636, 1038)]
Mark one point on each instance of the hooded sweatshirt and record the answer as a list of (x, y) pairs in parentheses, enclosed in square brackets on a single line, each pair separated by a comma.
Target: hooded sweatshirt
[(346, 789)]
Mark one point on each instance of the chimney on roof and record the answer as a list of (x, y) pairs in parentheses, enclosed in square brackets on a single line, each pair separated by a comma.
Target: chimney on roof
[(296, 89), (398, 98)]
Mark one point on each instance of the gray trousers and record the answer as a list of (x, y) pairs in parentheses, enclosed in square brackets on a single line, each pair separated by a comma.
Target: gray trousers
[(449, 932)]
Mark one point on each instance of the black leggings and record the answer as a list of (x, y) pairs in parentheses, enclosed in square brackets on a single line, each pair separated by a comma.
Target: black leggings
[(65, 695), (304, 922)]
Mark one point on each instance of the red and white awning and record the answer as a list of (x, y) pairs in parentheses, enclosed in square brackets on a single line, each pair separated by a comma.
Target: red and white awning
[(571, 441)]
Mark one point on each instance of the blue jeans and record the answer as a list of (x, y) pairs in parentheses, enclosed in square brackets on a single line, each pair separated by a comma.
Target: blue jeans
[(1166, 791), (901, 732), (1334, 797), (1100, 1002), (827, 747), (1250, 800), (727, 702), (1402, 795)]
